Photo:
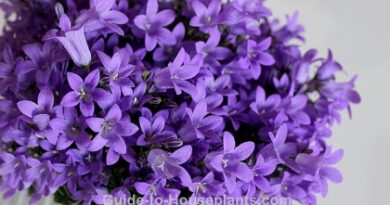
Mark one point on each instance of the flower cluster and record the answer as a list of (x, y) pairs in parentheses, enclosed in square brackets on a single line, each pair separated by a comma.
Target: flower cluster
[(187, 98)]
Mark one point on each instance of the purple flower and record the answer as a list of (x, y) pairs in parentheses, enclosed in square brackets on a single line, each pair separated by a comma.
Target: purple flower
[(13, 71), (13, 172), (44, 61), (210, 51), (177, 74), (319, 167), (111, 129), (101, 16), (326, 172), (264, 105), (41, 113), (289, 186), (167, 165), (154, 132), (280, 149), (251, 8), (262, 169), (77, 47), (295, 109), (153, 24), (71, 172), (255, 55), (42, 174), (71, 128), (85, 93), (153, 189), (341, 92), (229, 162), (116, 71), (204, 126), (167, 51), (207, 18), (206, 187)]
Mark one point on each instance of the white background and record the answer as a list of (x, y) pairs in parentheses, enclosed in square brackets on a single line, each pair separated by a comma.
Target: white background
[(358, 32)]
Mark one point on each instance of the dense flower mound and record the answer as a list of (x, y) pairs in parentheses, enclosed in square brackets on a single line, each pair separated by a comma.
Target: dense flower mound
[(186, 98)]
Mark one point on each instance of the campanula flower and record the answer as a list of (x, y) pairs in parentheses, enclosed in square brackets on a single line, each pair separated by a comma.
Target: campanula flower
[(85, 93), (153, 23)]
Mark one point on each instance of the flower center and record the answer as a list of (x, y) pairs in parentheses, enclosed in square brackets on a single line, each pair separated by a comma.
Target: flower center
[(42, 170), (175, 77), (106, 126), (83, 95), (114, 76), (152, 190), (201, 186), (207, 19), (160, 164), (75, 130), (135, 100), (147, 26), (225, 163)]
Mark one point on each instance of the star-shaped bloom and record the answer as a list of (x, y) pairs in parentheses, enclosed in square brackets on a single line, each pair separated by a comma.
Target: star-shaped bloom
[(281, 149), (262, 169), (71, 128), (153, 132), (251, 8), (229, 162), (177, 74), (42, 174), (116, 71), (71, 171), (40, 113), (206, 17), (165, 52), (13, 71), (255, 54), (263, 105), (206, 187), (205, 126), (319, 169), (167, 165), (85, 93), (158, 187), (13, 172), (102, 16), (210, 52), (153, 23), (111, 132), (44, 61)]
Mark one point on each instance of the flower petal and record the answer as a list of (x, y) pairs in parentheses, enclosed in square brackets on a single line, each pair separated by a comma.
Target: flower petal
[(151, 7), (87, 108), (27, 107), (244, 150), (97, 143), (112, 157), (118, 144), (41, 120), (92, 79), (244, 173), (114, 114), (94, 123), (70, 100), (182, 155), (228, 142), (45, 99), (75, 81)]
